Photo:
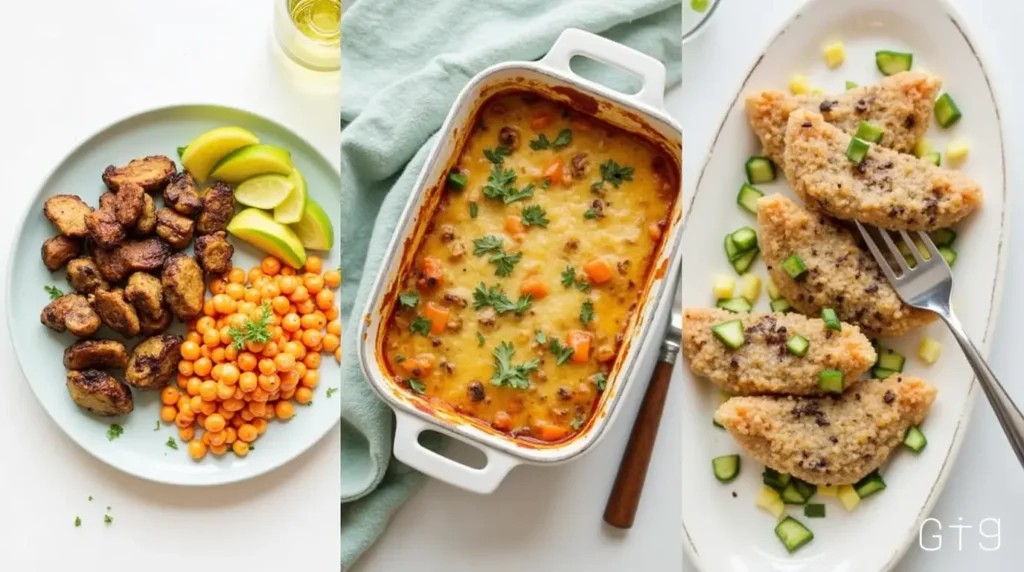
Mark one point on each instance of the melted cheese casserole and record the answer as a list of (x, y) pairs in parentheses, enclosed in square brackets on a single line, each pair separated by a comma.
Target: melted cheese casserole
[(530, 268)]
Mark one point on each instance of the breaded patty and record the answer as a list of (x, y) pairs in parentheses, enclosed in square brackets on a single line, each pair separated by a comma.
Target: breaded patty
[(68, 213), (58, 250), (900, 104), (829, 440), (151, 173), (763, 365), (840, 274), (888, 189)]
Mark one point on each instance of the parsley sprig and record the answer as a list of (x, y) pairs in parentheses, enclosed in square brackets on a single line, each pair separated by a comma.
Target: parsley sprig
[(613, 173), (409, 299), (494, 245), (563, 139), (587, 312), (420, 326), (561, 352), (497, 299), (498, 154), (54, 292), (507, 374), (534, 215), (501, 185), (255, 330), (569, 280)]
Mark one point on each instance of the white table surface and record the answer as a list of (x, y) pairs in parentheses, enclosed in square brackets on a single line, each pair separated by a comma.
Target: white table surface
[(987, 481), (69, 69)]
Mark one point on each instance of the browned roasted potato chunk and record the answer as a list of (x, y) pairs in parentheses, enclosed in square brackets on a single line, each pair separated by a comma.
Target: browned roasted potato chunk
[(71, 313), (150, 173), (149, 325), (218, 208), (147, 220), (181, 194), (58, 250), (96, 354), (115, 311), (68, 213), (112, 266), (128, 204), (214, 252), (184, 286), (108, 200), (154, 362), (100, 392), (84, 275), (146, 293), (148, 254), (176, 229), (104, 228)]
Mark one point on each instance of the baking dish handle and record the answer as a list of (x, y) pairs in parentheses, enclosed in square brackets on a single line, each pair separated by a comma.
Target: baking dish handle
[(409, 450), (576, 42)]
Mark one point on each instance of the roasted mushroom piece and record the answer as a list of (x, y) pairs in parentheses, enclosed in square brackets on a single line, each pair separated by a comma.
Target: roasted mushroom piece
[(58, 250), (218, 208), (104, 228), (147, 220), (96, 354), (68, 213), (154, 362), (115, 311), (100, 392), (147, 254), (84, 275), (181, 194), (112, 267), (184, 286), (146, 293), (150, 173), (176, 229), (128, 204), (214, 252), (71, 313), (157, 324)]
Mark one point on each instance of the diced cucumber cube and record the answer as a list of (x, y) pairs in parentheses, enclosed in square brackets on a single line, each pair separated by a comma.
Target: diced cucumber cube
[(869, 485), (948, 254), (726, 467), (748, 197), (929, 350), (769, 499), (849, 497), (806, 490), (946, 111), (772, 289), (794, 267), (851, 85), (750, 287), (934, 158), (457, 181), (943, 236), (735, 305), (760, 170), (730, 333), (922, 147), (891, 360), (799, 84), (717, 424), (781, 305), (699, 6), (814, 510), (731, 251), (914, 439), (830, 381), (831, 319), (745, 261), (775, 479), (791, 495), (793, 534), (956, 151), (882, 373), (835, 55), (745, 238), (869, 132), (798, 345), (722, 286), (857, 150), (890, 63)]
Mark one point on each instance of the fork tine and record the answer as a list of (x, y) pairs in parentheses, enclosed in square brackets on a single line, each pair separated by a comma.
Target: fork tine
[(882, 263), (894, 250), (913, 247), (928, 244)]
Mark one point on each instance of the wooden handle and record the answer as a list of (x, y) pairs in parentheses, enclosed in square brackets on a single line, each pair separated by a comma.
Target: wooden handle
[(629, 483)]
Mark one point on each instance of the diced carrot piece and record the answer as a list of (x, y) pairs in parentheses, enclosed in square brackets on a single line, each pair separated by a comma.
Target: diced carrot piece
[(554, 171), (438, 316), (598, 270), (502, 421), (579, 341), (514, 225), (654, 230), (535, 287), (548, 432), (418, 366), (432, 271), (540, 121), (427, 360), (605, 352)]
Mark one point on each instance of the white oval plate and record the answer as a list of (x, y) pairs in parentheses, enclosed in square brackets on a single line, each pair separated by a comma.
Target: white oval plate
[(141, 450), (727, 533)]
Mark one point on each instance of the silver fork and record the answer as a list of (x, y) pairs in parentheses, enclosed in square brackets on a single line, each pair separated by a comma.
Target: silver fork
[(929, 285)]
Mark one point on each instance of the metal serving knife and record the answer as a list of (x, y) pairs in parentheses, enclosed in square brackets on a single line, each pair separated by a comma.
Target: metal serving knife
[(629, 483)]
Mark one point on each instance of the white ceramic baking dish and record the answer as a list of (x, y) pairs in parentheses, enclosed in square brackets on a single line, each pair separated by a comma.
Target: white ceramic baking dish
[(642, 113)]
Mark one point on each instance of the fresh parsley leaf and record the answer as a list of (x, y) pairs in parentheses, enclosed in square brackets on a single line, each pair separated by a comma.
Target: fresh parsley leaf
[(489, 243), (569, 280), (498, 154), (599, 379), (107, 519), (545, 183), (496, 298), (540, 143), (409, 299), (90, 498), (534, 215), (587, 312), (256, 331), (399, 358), (172, 443), (525, 193), (416, 386), (114, 431), (504, 263), (420, 326), (541, 337), (562, 353), (181, 151), (501, 185), (331, 391), (54, 292), (480, 339), (578, 422), (507, 374), (78, 521), (590, 214), (522, 304), (564, 138), (474, 209), (612, 172), (583, 286)]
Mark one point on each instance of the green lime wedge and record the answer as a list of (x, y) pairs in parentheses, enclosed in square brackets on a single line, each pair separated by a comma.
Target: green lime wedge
[(199, 156), (265, 191), (315, 230), (291, 209), (248, 162), (258, 229)]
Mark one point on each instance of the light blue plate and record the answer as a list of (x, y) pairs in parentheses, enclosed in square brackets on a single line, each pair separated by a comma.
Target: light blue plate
[(142, 450)]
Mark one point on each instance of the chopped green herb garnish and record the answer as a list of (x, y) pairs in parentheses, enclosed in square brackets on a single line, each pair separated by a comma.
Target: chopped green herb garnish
[(504, 262), (474, 209), (496, 298), (331, 391), (541, 337), (564, 138), (545, 183), (480, 340), (78, 521), (420, 326), (508, 375), (612, 172), (489, 243), (498, 154), (569, 280), (599, 379), (578, 422), (416, 386), (587, 312), (590, 214), (534, 215), (114, 431), (90, 498), (501, 185), (256, 331), (540, 143), (561, 353), (399, 358), (172, 443), (409, 299), (54, 292), (157, 428), (107, 519)]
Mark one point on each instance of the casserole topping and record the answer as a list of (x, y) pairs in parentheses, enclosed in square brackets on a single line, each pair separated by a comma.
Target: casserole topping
[(518, 298)]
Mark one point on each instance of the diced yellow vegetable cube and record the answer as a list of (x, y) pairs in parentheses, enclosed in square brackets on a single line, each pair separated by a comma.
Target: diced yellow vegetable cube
[(769, 499), (723, 286), (773, 290), (750, 287), (922, 147), (956, 151), (828, 491), (849, 497), (929, 350), (799, 84), (835, 55)]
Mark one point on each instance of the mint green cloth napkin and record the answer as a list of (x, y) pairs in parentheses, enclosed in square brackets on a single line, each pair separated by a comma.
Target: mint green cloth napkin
[(403, 64)]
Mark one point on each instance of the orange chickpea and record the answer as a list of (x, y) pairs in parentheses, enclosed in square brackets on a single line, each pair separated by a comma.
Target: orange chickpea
[(247, 381), (217, 286), (287, 285), (190, 350), (311, 338), (332, 314), (280, 304), (260, 425), (314, 264), (334, 327), (186, 433), (271, 349), (205, 324), (258, 408), (332, 278), (229, 373), (223, 303), (196, 449), (233, 404), (169, 395), (288, 271), (269, 291), (309, 322), (208, 391), (216, 437), (246, 415), (300, 294), (192, 388), (202, 366), (267, 366), (337, 354), (237, 275), (240, 448), (219, 449), (230, 353), (211, 338), (217, 355), (270, 266), (225, 391), (269, 383), (208, 407), (307, 306), (246, 361), (290, 380), (230, 435), (255, 273), (291, 322), (314, 283), (167, 413), (204, 351), (248, 433), (194, 337), (284, 410), (284, 362), (184, 419), (252, 295), (228, 415), (208, 309), (303, 395), (325, 300), (182, 382), (295, 348), (311, 379), (225, 335), (330, 342), (300, 369), (215, 423), (287, 394), (195, 403), (235, 291), (237, 421), (312, 360)]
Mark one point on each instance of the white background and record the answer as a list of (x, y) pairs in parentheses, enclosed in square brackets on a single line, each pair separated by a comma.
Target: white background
[(987, 481), (69, 69)]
